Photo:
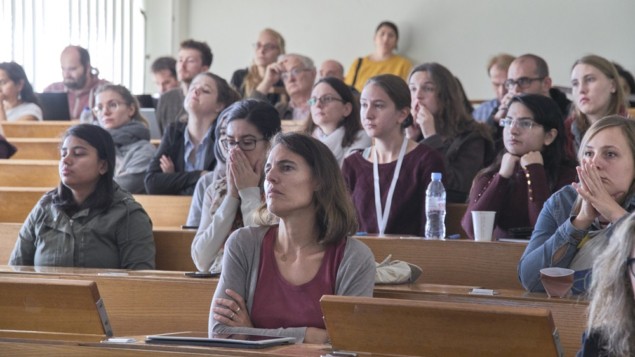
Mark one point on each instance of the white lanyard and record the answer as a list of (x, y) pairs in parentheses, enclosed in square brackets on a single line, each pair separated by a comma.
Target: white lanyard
[(382, 218)]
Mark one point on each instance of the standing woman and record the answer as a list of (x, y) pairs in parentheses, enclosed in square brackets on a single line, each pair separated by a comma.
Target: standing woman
[(533, 166), (118, 112), (274, 276), (445, 124), (187, 149), (574, 223), (17, 100), (382, 61), (401, 167), (267, 49), (334, 118), (231, 201), (596, 93), (88, 221)]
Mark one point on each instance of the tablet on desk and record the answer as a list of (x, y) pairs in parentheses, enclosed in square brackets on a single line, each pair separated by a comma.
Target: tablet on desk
[(204, 339)]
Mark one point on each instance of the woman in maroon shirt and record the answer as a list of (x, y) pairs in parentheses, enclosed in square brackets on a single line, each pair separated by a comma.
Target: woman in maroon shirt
[(533, 165)]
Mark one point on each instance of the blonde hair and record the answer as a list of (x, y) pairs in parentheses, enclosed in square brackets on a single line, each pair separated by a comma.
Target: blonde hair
[(253, 78), (617, 99), (128, 98), (612, 307)]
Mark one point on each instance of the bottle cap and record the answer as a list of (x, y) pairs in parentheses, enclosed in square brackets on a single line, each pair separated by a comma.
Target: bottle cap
[(436, 176)]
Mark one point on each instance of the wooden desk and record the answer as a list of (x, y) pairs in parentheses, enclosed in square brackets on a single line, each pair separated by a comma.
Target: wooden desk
[(37, 129), (29, 173), (166, 211), (569, 314), (36, 148)]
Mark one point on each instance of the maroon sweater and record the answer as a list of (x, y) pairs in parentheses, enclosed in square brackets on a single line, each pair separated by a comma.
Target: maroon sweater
[(517, 200), (407, 213)]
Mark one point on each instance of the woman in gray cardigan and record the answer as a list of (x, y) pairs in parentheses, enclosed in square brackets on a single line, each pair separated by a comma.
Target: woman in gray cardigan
[(274, 276)]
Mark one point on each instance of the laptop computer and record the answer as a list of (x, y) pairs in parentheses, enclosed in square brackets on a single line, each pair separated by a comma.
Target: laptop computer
[(54, 106), (146, 100), (435, 328), (150, 115), (203, 339)]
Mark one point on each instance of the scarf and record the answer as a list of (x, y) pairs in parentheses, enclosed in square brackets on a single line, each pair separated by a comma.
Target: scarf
[(129, 133)]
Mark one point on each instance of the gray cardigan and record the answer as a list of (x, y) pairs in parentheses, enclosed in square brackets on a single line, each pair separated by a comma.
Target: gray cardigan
[(355, 277)]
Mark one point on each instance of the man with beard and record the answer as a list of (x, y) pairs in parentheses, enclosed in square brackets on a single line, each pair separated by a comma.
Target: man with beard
[(80, 80)]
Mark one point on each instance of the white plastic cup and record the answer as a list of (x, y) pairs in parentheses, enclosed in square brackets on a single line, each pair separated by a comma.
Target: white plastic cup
[(483, 224)]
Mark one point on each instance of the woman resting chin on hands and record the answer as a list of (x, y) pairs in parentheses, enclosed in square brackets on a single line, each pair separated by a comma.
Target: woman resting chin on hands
[(573, 226)]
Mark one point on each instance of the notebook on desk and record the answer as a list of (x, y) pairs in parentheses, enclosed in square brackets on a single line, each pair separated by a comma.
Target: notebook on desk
[(54, 106), (431, 328), (204, 339)]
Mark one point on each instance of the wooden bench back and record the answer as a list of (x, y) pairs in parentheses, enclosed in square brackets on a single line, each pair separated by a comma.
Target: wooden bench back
[(36, 148), (424, 328), (18, 202), (52, 309), (29, 173), (37, 129)]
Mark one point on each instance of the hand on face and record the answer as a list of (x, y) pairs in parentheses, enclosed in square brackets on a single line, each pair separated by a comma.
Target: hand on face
[(508, 164), (233, 311), (167, 166), (504, 105), (243, 173), (532, 157), (424, 119), (273, 74)]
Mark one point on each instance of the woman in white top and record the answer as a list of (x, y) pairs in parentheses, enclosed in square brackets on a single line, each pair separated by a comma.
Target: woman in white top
[(17, 100), (230, 202), (334, 118)]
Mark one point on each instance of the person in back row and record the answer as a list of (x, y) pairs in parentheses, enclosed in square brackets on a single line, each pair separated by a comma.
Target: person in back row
[(88, 221), (382, 61), (533, 166), (497, 70), (187, 148), (117, 111), (267, 49), (194, 57), (388, 181), (17, 100), (80, 80), (164, 74)]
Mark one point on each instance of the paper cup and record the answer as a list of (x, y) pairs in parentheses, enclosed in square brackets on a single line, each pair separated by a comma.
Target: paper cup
[(483, 223), (557, 281)]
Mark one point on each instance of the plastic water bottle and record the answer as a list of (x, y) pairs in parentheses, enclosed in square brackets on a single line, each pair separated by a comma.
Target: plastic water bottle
[(86, 117), (435, 208)]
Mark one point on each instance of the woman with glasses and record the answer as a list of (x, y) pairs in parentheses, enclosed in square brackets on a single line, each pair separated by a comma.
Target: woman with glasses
[(382, 61), (230, 202), (267, 49), (17, 100), (443, 123), (527, 172), (334, 118), (117, 111), (88, 221), (596, 93), (187, 148), (388, 180), (274, 275), (574, 224), (610, 330)]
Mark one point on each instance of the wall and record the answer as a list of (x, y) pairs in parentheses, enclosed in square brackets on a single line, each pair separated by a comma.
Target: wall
[(461, 34)]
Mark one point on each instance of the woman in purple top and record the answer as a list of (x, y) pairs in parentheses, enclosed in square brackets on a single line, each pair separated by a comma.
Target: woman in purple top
[(533, 165), (274, 276), (401, 166)]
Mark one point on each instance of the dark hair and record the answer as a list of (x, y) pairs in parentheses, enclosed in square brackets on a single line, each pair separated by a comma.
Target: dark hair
[(351, 122), (397, 90), (542, 70), (16, 73), (335, 214), (388, 24), (546, 113), (258, 113), (164, 63), (225, 93), (628, 77), (101, 198), (206, 53)]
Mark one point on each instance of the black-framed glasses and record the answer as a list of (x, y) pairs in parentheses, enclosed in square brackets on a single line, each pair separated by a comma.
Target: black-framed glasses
[(629, 265), (522, 124), (324, 100), (246, 144), (112, 106), (522, 82)]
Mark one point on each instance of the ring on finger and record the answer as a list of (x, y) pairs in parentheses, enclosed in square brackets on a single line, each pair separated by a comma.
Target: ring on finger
[(238, 310), (232, 316)]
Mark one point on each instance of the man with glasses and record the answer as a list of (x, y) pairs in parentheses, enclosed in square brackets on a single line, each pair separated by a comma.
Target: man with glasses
[(298, 74), (194, 57)]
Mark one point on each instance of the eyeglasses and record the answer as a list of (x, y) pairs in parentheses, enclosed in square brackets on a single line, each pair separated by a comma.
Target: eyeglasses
[(522, 124), (324, 100), (522, 82), (112, 106), (247, 144), (266, 47), (293, 73), (629, 265)]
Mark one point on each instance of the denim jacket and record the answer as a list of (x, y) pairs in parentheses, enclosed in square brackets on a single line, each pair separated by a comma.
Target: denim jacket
[(554, 231)]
